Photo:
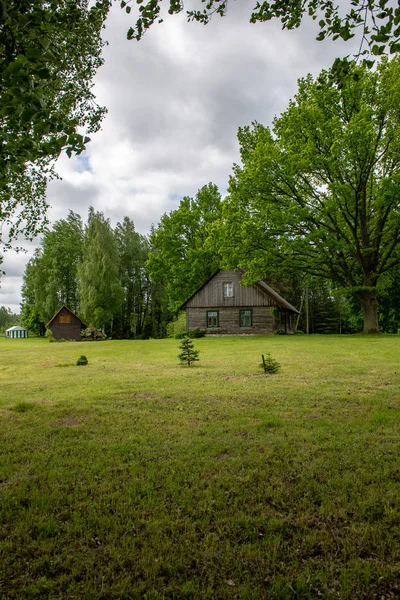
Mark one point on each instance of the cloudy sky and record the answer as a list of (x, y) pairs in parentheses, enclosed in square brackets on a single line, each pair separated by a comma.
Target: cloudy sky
[(175, 101)]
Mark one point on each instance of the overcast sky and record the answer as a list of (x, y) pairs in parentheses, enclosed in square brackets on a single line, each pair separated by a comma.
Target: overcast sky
[(175, 101)]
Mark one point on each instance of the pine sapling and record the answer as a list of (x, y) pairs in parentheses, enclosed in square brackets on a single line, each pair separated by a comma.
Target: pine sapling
[(188, 354), (269, 364)]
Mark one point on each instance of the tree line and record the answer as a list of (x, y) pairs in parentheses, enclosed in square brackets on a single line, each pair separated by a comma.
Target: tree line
[(132, 286), (95, 270), (119, 280)]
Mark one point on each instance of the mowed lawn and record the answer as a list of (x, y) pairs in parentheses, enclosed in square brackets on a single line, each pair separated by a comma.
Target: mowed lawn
[(134, 477)]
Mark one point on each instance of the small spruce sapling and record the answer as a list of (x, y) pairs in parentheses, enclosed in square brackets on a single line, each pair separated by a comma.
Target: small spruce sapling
[(188, 354), (269, 364)]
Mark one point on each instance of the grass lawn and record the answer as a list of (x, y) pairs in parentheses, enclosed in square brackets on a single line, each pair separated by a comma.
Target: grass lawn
[(136, 478)]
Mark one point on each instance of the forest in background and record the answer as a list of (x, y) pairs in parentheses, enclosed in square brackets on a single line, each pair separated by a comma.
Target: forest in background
[(132, 285)]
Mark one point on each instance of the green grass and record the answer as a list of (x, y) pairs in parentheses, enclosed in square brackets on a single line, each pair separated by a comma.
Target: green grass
[(135, 477)]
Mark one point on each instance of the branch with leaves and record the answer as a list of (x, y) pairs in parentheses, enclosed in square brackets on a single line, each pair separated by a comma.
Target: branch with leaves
[(376, 21)]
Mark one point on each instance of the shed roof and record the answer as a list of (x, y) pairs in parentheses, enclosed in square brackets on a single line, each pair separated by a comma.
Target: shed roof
[(69, 310), (261, 285), (17, 328)]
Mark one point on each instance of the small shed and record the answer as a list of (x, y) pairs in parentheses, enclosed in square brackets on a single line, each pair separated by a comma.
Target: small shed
[(17, 332), (66, 325), (223, 306)]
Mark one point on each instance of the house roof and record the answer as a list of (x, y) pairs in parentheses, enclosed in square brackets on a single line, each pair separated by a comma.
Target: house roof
[(198, 289), (69, 310), (261, 285)]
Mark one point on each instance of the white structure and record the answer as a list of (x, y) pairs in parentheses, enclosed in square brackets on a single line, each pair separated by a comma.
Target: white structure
[(16, 332)]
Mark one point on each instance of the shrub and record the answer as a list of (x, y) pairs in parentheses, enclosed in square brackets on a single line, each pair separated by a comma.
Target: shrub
[(280, 332), (298, 332), (177, 327), (91, 333), (49, 335), (269, 364), (82, 360), (188, 354), (180, 336), (196, 333)]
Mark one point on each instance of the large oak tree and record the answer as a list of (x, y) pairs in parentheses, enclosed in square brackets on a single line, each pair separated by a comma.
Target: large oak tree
[(320, 191)]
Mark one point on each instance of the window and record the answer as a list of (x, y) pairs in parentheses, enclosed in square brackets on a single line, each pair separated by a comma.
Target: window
[(228, 290), (212, 318), (246, 318), (64, 318)]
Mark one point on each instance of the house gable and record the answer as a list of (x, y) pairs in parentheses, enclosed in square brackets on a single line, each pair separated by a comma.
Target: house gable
[(211, 293)]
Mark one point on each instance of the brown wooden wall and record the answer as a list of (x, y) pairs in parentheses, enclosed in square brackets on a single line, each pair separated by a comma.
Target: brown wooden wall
[(263, 320), (211, 295), (66, 331)]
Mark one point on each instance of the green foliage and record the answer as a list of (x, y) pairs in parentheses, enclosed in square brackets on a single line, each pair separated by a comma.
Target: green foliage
[(82, 360), (50, 278), (132, 251), (389, 302), (49, 335), (49, 53), (280, 332), (177, 327), (188, 354), (314, 194), (182, 255), (195, 333), (91, 333), (99, 288), (7, 319), (377, 21), (97, 269), (270, 365)]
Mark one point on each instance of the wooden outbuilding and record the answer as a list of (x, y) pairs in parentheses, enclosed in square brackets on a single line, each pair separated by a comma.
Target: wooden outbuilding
[(66, 325), (223, 306)]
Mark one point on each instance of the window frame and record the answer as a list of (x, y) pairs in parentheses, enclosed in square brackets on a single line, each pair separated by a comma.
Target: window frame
[(242, 311), (213, 316), (225, 285), (65, 319)]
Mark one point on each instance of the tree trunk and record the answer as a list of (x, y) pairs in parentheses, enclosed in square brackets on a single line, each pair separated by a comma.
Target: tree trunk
[(369, 305)]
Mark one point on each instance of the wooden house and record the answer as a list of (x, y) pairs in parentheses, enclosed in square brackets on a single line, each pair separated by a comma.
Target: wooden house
[(223, 306), (66, 325)]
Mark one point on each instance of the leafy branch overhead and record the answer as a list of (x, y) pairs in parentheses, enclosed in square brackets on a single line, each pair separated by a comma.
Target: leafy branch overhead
[(377, 22), (49, 53)]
